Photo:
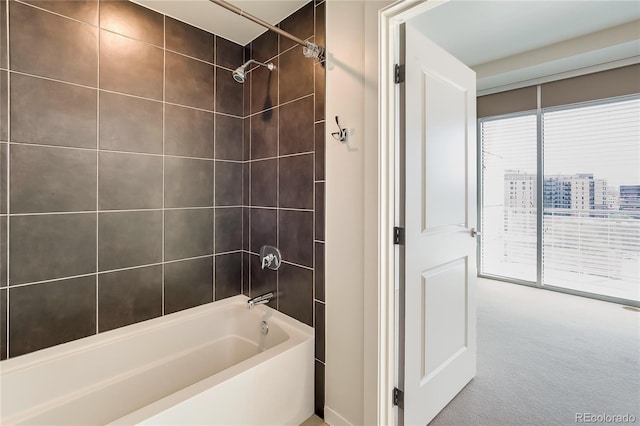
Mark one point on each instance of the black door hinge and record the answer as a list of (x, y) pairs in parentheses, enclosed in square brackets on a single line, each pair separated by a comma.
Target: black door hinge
[(398, 73), (398, 398), (398, 235)]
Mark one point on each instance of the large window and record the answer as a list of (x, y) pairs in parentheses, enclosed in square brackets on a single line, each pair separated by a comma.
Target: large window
[(508, 219), (591, 220), (590, 196)]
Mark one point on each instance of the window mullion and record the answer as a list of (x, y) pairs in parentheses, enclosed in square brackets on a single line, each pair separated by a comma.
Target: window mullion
[(539, 187)]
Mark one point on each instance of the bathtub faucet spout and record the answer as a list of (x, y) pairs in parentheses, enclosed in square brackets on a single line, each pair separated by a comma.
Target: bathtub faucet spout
[(260, 300)]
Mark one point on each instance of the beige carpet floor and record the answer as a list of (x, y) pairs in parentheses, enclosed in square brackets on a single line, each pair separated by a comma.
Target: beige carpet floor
[(545, 357)]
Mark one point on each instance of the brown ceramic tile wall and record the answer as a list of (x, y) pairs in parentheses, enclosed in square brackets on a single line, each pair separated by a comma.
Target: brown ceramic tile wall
[(284, 165), (153, 192), (121, 180)]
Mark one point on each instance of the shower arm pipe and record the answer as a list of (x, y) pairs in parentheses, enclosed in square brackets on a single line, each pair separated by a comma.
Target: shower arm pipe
[(240, 12), (269, 66)]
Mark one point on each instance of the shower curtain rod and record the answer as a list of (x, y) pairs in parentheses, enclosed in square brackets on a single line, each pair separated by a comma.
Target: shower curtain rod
[(311, 50)]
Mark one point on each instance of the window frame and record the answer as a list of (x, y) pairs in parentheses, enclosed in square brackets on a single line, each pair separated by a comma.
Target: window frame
[(538, 283), (480, 195)]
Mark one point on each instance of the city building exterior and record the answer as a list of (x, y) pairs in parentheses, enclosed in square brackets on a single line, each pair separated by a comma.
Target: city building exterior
[(629, 199), (566, 195)]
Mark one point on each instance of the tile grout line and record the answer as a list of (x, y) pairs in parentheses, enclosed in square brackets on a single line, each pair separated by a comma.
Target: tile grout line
[(164, 98), (278, 174), (127, 268), (110, 31), (246, 133), (60, 15), (242, 271), (8, 245), (59, 213), (98, 177), (280, 105), (287, 209), (226, 114), (112, 151), (282, 156), (213, 89), (248, 117), (130, 95), (313, 245), (315, 214)]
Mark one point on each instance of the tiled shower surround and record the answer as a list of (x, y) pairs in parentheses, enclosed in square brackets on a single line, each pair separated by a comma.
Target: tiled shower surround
[(139, 179), (284, 154)]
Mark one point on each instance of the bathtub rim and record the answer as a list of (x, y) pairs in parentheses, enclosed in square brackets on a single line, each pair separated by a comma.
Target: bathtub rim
[(298, 334), (294, 328)]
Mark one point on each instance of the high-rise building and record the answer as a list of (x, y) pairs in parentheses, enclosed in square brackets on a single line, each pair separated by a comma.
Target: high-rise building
[(520, 192), (600, 193), (557, 194), (582, 193), (613, 199), (630, 198), (519, 216), (563, 195)]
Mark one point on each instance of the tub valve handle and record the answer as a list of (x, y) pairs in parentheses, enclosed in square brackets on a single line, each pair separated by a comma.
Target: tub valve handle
[(270, 257), (268, 260)]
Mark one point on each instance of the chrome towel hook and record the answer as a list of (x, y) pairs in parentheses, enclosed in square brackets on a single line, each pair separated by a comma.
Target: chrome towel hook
[(341, 134)]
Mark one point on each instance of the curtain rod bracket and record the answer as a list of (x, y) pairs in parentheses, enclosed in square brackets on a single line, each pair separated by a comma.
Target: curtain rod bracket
[(311, 50)]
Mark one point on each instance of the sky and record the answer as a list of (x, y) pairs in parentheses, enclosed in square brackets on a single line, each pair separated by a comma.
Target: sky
[(600, 139)]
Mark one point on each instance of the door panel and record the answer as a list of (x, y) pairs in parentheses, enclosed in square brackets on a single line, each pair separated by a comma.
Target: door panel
[(444, 300), (440, 211), (444, 151)]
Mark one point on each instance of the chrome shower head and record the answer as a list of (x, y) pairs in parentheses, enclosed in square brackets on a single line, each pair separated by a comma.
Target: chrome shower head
[(240, 73)]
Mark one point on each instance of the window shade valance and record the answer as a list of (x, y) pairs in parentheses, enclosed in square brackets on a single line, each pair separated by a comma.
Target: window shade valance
[(589, 87), (508, 102)]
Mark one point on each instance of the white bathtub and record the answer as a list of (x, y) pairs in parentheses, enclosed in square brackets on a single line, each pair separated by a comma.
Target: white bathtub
[(209, 365)]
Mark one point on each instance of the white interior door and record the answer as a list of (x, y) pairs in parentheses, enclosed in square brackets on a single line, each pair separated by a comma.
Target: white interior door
[(440, 217)]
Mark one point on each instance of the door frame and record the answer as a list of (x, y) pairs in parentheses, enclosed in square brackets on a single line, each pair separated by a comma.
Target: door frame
[(389, 196)]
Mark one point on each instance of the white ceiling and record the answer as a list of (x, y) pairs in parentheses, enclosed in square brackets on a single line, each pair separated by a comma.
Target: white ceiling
[(506, 42), (213, 18), (482, 31), (488, 34)]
